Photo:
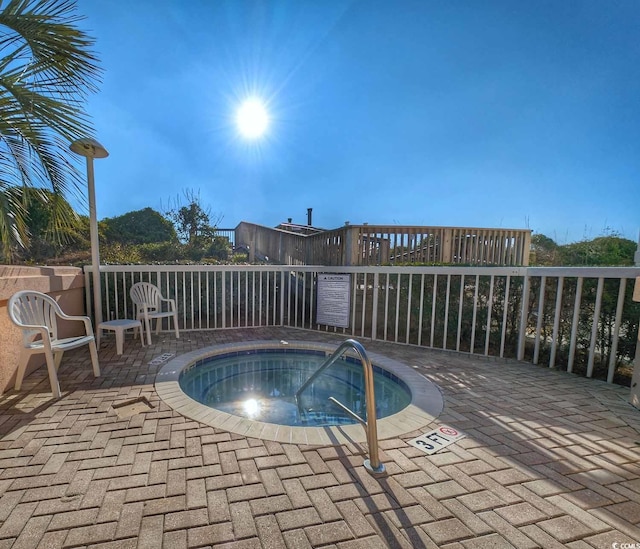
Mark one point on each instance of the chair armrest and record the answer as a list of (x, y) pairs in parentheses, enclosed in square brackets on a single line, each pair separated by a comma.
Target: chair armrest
[(87, 321), (171, 302), (44, 332), (35, 328)]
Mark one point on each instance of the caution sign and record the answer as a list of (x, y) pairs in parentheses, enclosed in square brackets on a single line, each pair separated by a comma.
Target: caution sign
[(436, 440), (334, 300)]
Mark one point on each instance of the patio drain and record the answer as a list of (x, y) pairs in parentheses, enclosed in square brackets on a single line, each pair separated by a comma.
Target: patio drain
[(132, 407)]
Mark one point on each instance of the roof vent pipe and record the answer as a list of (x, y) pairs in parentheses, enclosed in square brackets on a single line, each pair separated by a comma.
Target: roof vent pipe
[(309, 210)]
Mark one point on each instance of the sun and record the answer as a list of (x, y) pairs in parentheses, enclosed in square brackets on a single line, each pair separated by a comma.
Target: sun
[(252, 118)]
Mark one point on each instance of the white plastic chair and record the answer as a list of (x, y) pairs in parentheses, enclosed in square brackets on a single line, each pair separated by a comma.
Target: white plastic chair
[(36, 314), (148, 303)]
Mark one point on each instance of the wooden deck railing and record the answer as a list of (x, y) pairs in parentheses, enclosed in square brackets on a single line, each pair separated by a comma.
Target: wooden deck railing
[(229, 234), (388, 245)]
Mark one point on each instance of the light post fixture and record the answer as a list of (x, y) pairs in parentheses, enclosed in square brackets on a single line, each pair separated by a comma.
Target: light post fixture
[(90, 149)]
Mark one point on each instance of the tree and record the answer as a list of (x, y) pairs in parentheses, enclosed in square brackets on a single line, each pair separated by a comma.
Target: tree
[(191, 221), (544, 251), (140, 227), (609, 250), (46, 71), (602, 251), (194, 228)]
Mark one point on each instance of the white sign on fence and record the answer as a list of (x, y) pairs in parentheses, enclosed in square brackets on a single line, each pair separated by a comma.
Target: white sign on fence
[(334, 300), (436, 440)]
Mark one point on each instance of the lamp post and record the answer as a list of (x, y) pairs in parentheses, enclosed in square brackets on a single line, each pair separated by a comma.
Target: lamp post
[(90, 149)]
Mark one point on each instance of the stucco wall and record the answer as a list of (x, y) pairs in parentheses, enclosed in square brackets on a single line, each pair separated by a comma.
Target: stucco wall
[(65, 284)]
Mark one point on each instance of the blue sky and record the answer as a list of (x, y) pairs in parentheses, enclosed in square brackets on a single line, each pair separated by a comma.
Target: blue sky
[(467, 113)]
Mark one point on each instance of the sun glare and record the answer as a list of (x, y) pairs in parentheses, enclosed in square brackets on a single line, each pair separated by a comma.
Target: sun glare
[(252, 118), (251, 407)]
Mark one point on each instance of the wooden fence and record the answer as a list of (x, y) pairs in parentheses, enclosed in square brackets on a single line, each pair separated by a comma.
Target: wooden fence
[(364, 245)]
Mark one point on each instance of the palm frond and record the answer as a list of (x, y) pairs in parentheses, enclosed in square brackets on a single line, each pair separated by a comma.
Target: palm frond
[(47, 68), (12, 222), (59, 50)]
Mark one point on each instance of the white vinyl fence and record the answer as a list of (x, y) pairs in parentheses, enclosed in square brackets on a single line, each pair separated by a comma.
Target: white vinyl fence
[(577, 319)]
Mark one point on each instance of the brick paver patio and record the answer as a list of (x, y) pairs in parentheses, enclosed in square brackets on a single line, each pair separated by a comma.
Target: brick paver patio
[(550, 460)]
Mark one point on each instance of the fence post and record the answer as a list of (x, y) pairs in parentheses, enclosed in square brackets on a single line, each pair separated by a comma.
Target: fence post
[(634, 398), (374, 314), (524, 316), (351, 246), (282, 296), (524, 261), (445, 247)]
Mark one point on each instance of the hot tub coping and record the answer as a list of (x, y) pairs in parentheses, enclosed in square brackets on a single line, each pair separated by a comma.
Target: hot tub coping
[(425, 406)]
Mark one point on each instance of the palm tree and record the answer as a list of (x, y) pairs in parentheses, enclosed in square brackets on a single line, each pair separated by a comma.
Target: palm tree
[(47, 69)]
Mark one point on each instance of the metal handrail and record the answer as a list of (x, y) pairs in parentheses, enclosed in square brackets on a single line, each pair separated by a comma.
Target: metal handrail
[(372, 464)]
